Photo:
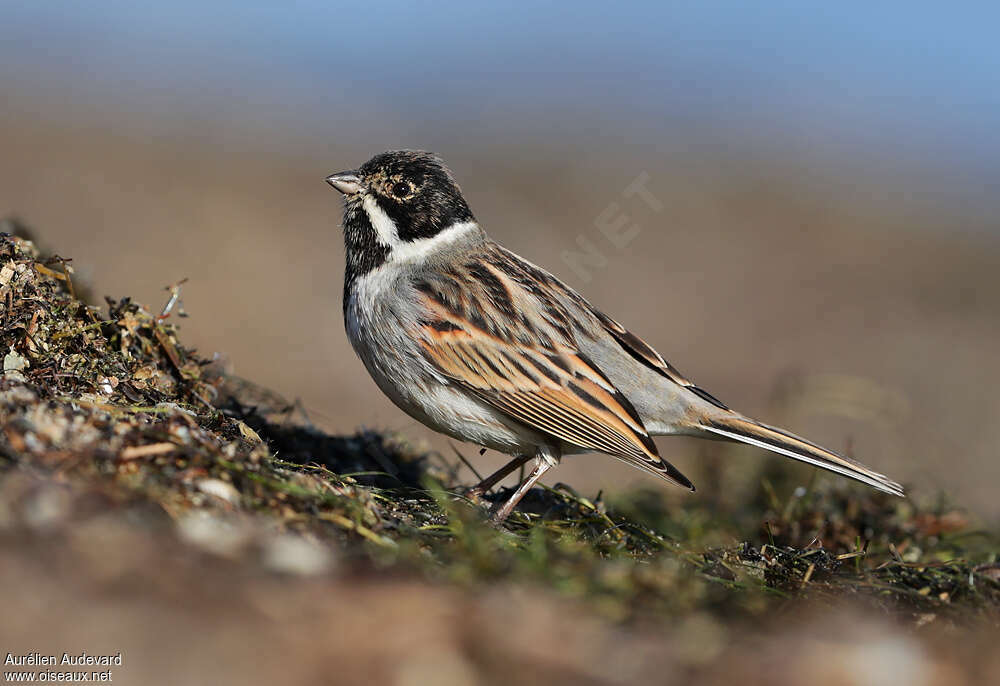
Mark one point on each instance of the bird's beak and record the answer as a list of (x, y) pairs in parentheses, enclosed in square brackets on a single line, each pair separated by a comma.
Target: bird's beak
[(346, 182)]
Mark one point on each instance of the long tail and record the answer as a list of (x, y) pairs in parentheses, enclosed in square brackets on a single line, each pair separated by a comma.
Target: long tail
[(745, 430)]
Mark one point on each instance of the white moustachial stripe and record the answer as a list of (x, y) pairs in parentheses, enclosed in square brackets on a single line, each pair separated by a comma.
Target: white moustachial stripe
[(410, 251), (384, 227)]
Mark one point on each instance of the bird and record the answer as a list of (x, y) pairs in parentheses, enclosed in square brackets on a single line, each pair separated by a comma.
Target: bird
[(484, 346)]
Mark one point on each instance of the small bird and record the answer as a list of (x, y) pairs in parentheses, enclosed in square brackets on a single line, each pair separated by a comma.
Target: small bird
[(484, 346)]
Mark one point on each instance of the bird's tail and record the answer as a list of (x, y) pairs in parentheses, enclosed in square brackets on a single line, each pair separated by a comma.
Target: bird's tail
[(736, 427)]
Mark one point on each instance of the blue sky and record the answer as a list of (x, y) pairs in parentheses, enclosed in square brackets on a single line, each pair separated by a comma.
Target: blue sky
[(892, 77)]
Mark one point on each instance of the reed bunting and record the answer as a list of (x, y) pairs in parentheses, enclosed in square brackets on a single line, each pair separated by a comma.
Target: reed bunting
[(484, 346)]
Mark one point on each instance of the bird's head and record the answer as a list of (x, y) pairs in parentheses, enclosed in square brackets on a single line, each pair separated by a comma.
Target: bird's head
[(405, 196)]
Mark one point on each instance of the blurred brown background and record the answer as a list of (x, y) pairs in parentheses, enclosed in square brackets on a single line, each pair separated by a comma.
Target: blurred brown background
[(824, 259)]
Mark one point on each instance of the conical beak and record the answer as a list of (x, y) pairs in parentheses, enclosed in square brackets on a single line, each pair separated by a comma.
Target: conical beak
[(346, 182)]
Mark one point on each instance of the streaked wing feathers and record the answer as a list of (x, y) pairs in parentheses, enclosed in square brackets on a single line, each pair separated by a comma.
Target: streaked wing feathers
[(555, 390)]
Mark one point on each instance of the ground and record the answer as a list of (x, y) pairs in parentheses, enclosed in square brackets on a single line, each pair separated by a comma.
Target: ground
[(153, 503)]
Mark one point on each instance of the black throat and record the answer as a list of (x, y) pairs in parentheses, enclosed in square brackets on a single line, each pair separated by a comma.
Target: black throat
[(363, 251), (416, 193)]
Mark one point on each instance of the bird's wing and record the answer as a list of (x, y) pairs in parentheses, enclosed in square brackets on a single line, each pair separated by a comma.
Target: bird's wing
[(715, 419), (541, 382), (644, 353)]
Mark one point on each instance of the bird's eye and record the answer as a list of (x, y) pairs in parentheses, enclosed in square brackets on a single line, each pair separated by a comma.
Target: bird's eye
[(401, 189)]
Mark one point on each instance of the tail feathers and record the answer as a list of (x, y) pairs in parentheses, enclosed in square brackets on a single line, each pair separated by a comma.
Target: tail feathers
[(746, 430)]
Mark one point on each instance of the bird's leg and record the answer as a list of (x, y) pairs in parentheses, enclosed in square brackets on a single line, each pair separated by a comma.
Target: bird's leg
[(543, 463), (496, 477)]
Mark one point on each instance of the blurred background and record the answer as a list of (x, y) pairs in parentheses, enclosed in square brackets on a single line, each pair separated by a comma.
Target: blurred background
[(822, 250)]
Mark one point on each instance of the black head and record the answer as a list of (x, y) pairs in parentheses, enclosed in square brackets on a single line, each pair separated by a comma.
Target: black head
[(413, 188), (393, 199)]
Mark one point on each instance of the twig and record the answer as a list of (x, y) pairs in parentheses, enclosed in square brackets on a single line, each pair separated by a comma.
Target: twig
[(79, 330), (175, 298), (149, 450), (360, 529)]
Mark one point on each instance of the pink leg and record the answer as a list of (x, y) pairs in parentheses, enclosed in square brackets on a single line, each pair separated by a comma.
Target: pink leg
[(542, 465), (496, 477)]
